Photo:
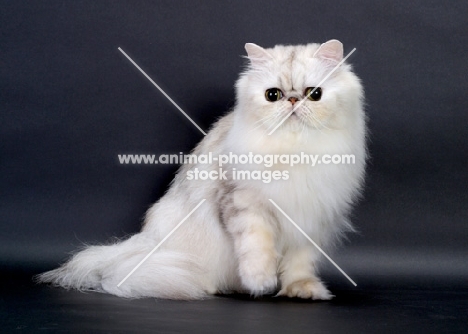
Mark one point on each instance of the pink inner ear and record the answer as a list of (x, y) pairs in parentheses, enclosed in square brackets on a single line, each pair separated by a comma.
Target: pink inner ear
[(256, 53), (331, 50)]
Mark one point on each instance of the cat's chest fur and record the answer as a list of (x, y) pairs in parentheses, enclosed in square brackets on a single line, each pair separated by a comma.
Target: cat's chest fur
[(315, 197)]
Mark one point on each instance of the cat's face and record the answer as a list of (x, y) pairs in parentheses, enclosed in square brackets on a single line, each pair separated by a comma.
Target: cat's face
[(287, 79)]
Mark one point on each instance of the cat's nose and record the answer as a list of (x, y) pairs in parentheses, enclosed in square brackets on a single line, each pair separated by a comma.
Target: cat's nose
[(293, 100)]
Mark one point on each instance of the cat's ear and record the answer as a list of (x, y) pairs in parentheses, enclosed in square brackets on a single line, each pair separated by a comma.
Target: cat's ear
[(256, 54), (331, 50)]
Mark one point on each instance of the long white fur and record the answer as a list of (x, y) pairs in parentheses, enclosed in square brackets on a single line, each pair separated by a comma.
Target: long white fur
[(201, 258)]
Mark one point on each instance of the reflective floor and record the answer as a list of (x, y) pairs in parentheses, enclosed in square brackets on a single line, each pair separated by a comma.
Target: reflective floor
[(377, 305)]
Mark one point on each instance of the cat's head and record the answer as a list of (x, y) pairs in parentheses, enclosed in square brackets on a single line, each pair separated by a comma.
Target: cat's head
[(286, 78)]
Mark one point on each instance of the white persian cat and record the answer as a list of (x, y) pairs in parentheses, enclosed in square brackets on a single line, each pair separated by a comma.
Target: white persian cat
[(237, 240)]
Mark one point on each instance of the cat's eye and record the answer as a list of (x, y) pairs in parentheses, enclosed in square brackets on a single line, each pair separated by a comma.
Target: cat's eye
[(273, 94), (313, 93)]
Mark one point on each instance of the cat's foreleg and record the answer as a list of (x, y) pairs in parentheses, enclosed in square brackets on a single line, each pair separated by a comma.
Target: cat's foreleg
[(254, 246), (298, 275)]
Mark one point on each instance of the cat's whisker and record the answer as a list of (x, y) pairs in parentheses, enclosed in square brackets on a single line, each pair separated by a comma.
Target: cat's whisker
[(303, 128), (264, 120), (315, 123), (306, 130), (260, 125), (311, 113), (310, 121), (272, 120), (280, 117), (277, 113)]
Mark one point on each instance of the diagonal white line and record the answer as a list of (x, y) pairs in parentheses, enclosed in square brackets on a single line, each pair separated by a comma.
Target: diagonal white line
[(157, 246), (313, 243), (319, 84), (163, 92)]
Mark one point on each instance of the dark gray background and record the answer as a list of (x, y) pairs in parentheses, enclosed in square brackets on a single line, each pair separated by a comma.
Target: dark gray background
[(70, 102)]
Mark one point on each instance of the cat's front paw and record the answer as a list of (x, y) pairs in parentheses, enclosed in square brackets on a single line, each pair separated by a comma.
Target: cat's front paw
[(259, 279), (260, 284), (308, 289)]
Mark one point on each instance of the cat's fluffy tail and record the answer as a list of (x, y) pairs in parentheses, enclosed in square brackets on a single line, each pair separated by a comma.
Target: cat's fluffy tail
[(165, 274)]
